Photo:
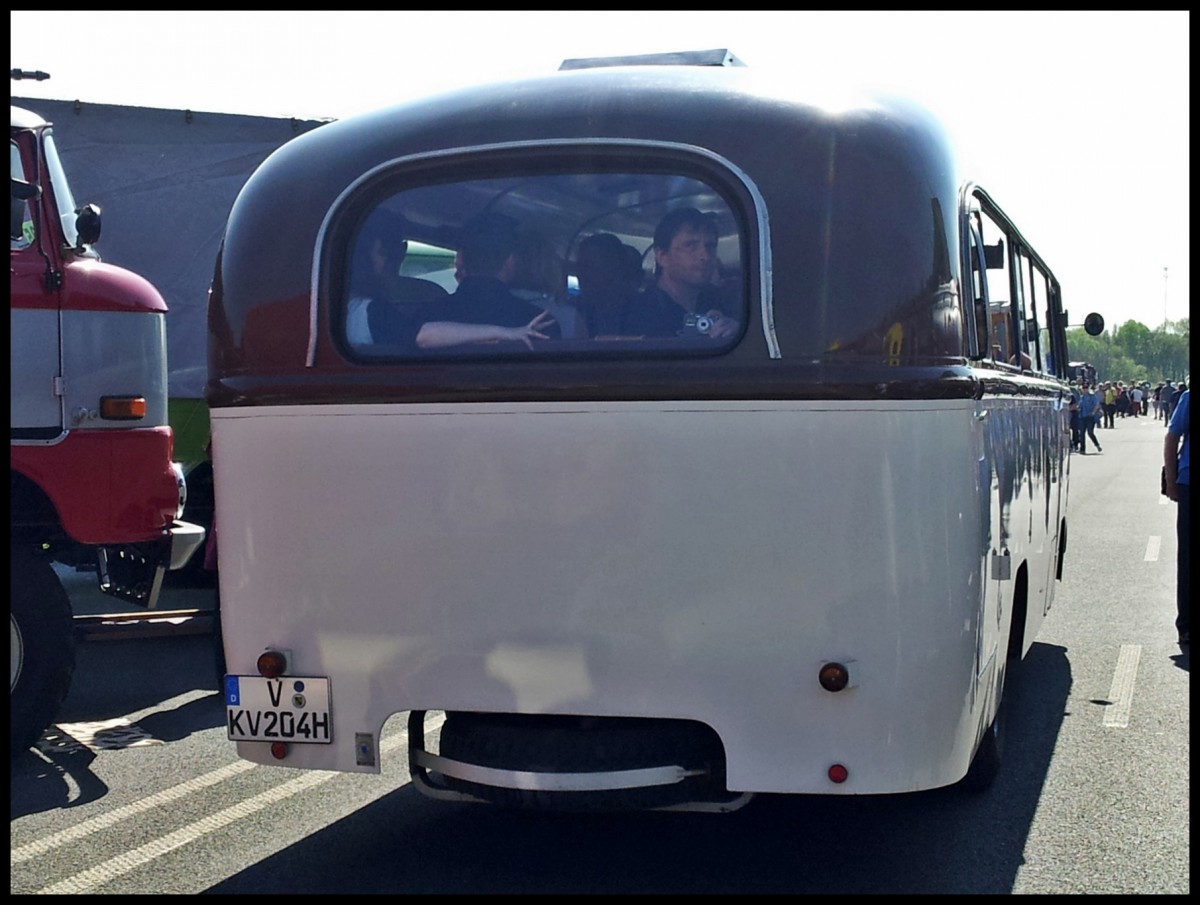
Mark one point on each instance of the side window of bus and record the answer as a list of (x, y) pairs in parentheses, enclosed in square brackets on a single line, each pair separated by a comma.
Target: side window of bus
[(1042, 300), (1035, 312), (586, 262), (1026, 327), (979, 289), (1001, 325)]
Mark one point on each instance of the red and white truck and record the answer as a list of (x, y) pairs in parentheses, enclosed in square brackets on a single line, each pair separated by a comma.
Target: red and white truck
[(92, 479)]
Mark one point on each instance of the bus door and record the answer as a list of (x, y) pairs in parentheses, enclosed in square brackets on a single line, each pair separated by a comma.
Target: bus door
[(1039, 297), (991, 422)]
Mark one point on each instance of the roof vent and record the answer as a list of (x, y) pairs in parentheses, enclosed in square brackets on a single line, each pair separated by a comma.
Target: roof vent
[(719, 57)]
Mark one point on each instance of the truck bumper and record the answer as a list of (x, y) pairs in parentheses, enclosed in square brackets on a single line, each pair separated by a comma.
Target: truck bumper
[(186, 539), (134, 572)]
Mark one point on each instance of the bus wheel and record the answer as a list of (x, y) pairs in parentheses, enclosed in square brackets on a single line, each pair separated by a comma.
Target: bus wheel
[(41, 648), (985, 766)]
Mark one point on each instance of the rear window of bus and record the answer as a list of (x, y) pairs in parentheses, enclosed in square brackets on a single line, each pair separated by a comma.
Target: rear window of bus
[(551, 260)]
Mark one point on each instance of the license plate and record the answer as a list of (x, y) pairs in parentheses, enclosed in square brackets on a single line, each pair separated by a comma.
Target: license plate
[(288, 709)]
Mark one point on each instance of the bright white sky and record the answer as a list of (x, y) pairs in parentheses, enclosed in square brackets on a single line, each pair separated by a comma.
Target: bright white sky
[(1076, 123)]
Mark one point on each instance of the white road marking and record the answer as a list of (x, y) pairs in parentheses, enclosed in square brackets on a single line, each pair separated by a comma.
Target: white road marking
[(125, 862), (1152, 547), (104, 821), (171, 704), (1116, 714)]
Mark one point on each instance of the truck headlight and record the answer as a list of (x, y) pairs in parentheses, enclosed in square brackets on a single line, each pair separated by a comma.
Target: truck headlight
[(181, 483)]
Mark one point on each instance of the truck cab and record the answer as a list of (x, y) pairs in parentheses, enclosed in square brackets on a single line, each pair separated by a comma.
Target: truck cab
[(92, 479)]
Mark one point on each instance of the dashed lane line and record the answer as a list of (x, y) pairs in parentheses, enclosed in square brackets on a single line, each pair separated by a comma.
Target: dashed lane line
[(1120, 695), (1152, 547), (125, 862)]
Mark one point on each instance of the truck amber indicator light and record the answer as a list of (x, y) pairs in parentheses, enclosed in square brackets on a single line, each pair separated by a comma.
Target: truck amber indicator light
[(122, 408)]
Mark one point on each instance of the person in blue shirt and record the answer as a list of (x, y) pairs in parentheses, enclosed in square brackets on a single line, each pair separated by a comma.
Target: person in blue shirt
[(1089, 409), (1076, 427), (1176, 458)]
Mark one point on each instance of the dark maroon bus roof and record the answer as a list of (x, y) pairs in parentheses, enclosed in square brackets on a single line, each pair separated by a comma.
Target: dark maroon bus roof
[(890, 158)]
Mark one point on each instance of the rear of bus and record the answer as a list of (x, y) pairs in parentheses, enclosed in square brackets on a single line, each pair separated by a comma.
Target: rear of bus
[(609, 568)]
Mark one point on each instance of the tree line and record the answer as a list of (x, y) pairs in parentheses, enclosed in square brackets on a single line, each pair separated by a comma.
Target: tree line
[(1134, 352)]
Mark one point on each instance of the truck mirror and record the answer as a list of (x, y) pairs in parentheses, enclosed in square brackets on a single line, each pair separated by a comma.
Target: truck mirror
[(19, 193), (1093, 324), (87, 225), (16, 217), (22, 190)]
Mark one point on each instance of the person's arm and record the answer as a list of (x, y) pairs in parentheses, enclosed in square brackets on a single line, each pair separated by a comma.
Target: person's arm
[(1176, 430), (440, 334), (1171, 463)]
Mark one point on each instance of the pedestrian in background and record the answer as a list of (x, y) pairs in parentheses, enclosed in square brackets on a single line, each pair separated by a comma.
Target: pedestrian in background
[(1173, 399), (1075, 425), (1122, 401), (1110, 404), (1089, 408), (1176, 457)]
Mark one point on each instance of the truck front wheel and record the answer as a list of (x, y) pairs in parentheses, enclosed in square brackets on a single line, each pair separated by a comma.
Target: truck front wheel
[(41, 648)]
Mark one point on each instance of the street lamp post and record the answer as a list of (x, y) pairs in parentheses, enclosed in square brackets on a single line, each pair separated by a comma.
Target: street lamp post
[(1164, 300)]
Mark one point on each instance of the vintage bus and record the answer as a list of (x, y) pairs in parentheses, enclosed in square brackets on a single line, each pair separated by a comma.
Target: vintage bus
[(791, 534)]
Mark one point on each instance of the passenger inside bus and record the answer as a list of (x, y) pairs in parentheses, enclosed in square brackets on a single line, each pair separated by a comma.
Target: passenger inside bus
[(484, 308), (375, 280), (685, 298), (610, 276), (540, 278)]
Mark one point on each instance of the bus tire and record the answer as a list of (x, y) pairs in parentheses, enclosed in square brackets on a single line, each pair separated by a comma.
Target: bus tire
[(985, 766), (42, 648)]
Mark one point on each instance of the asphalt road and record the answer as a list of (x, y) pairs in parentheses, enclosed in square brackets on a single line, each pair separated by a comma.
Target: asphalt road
[(136, 790)]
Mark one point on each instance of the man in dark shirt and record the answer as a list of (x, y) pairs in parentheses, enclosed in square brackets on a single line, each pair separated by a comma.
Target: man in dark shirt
[(1174, 397), (378, 294), (610, 275), (482, 309), (685, 259)]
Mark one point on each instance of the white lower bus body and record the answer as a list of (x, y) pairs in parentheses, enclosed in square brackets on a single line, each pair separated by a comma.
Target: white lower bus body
[(685, 560)]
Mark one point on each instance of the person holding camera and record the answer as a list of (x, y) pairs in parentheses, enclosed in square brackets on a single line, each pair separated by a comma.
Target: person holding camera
[(684, 298)]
